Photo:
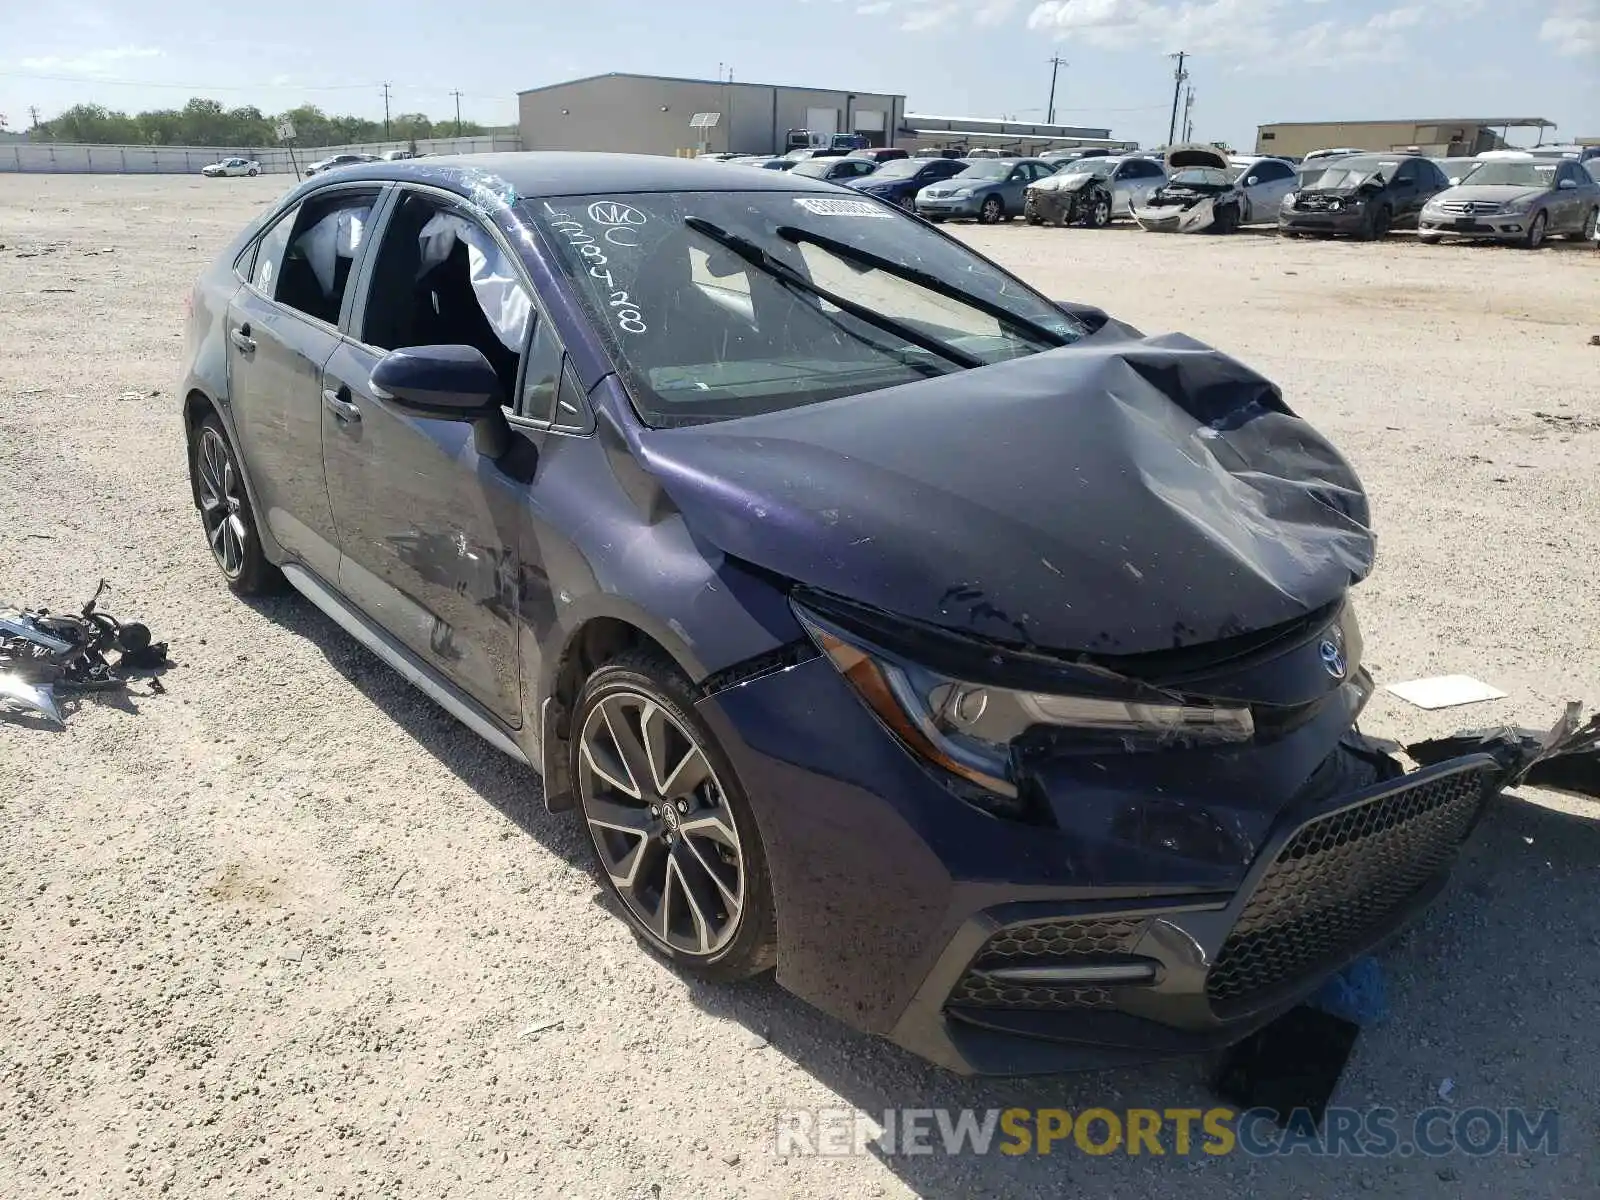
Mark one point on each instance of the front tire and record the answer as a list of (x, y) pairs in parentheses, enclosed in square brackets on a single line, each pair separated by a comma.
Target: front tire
[(225, 513), (1536, 230), (674, 837), (990, 212), (1378, 224), (253, 172), (1587, 231), (1100, 211)]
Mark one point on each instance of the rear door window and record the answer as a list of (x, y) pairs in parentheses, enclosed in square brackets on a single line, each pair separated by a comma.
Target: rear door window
[(329, 233)]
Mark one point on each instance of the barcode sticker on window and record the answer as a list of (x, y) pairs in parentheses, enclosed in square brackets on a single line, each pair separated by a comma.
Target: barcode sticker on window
[(826, 206)]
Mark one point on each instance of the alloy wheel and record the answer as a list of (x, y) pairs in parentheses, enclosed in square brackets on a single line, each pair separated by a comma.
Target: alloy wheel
[(1536, 231), (1100, 214), (221, 502), (661, 824), (991, 212)]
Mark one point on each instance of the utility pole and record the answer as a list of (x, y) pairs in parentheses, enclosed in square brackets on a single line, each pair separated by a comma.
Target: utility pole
[(386, 112), (33, 111), (1056, 63), (1188, 125), (1178, 78), (457, 95)]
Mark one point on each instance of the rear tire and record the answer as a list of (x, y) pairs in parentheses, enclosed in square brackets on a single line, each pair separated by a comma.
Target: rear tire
[(253, 172), (685, 863), (226, 515)]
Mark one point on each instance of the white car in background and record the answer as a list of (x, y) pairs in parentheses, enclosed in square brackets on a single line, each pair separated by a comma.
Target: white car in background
[(231, 166), (1209, 192), (1077, 192), (1337, 152)]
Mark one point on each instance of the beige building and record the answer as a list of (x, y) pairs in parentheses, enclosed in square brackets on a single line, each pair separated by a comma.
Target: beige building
[(1446, 138), (652, 114)]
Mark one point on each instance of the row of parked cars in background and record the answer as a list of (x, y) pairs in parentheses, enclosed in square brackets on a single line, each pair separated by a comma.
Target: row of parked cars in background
[(1506, 195)]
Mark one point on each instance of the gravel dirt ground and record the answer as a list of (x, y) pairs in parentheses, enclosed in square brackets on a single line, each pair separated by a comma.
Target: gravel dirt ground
[(288, 928)]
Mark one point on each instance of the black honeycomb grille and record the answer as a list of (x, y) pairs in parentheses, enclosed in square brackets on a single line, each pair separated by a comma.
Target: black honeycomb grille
[(1046, 943), (1340, 877)]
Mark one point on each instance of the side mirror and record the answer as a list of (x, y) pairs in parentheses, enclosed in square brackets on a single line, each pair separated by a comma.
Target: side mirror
[(1251, 182), (452, 383), (1567, 183), (447, 383)]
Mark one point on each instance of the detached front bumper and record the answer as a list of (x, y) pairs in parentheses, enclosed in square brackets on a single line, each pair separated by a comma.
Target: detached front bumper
[(1501, 226), (1345, 220), (1173, 218), (1173, 901)]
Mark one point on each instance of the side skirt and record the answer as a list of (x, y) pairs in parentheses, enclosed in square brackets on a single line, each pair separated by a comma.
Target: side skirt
[(443, 693)]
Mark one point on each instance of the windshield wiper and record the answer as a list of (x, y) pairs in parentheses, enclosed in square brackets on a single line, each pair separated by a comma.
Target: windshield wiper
[(753, 254), (926, 279)]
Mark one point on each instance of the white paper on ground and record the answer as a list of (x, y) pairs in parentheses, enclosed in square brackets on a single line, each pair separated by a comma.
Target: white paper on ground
[(1444, 691)]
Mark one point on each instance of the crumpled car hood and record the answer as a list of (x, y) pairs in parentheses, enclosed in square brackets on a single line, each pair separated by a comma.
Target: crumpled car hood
[(1119, 495), (1075, 182)]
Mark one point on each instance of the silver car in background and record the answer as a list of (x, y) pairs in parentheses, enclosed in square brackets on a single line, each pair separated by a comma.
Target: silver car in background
[(1520, 200)]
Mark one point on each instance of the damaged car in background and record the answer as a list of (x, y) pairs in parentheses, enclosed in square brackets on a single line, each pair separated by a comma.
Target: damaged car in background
[(983, 665), (1363, 196), (1208, 192), (1092, 191)]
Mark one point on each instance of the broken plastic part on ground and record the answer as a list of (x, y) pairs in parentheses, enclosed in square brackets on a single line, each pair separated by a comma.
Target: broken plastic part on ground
[(1564, 759), (45, 655)]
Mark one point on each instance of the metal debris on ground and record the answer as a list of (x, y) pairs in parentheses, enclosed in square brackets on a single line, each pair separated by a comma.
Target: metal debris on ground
[(1564, 759), (44, 656), (1444, 691)]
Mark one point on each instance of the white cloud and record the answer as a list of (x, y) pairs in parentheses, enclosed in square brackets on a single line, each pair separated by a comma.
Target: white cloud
[(993, 12), (94, 62), (1573, 26), (1269, 31), (876, 9), (924, 19)]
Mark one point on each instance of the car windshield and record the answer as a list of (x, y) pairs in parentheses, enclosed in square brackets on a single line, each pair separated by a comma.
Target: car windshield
[(900, 168), (1209, 176), (989, 169), (1516, 174), (1348, 172), (816, 168), (1457, 169), (1098, 167), (708, 300)]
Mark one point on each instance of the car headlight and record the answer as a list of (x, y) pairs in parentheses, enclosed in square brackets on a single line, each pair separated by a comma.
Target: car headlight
[(1521, 205), (972, 730), (961, 193), (1288, 200)]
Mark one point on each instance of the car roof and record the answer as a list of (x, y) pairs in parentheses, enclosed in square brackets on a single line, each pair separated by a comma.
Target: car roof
[(534, 173)]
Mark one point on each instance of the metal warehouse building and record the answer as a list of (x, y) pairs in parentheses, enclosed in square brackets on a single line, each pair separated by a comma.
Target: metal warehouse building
[(1441, 138), (651, 114)]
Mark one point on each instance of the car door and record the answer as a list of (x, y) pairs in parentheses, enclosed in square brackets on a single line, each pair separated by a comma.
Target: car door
[(429, 528), (283, 325), (1402, 192), (1129, 184), (1569, 203), (1273, 181)]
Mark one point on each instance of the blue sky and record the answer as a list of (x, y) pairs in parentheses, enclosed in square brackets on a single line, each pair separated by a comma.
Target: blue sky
[(1253, 61)]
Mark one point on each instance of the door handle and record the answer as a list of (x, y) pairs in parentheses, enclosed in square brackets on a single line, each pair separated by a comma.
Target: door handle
[(338, 402), (241, 338)]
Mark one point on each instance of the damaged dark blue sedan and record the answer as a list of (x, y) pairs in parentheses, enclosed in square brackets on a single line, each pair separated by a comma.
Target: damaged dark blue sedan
[(981, 664)]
